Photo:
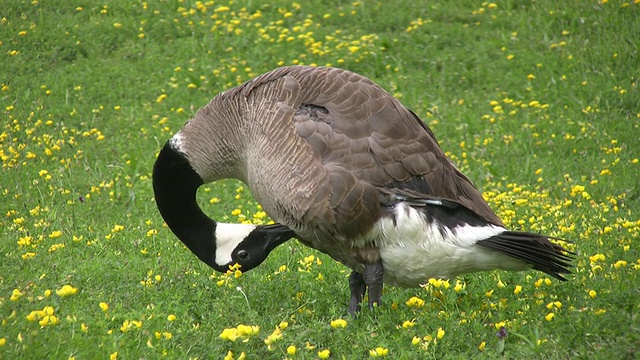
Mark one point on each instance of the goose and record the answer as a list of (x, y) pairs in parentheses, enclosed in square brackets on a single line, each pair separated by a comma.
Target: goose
[(344, 167)]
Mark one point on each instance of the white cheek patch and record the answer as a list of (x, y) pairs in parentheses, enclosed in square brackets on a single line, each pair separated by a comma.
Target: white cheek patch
[(228, 237)]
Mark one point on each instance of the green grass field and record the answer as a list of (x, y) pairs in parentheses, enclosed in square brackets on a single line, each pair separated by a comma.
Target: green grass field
[(536, 101)]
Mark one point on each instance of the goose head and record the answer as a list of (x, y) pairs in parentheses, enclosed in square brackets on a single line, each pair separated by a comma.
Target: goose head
[(219, 245)]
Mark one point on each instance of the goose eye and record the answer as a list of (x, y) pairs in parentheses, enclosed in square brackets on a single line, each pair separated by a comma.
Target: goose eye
[(243, 254)]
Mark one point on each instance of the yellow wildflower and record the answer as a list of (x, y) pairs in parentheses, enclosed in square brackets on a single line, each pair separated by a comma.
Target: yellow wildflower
[(324, 354), (55, 234), (620, 263), (66, 290), (408, 324), (415, 302), (230, 334), (291, 350), (104, 306), (379, 352), (338, 324), (15, 295)]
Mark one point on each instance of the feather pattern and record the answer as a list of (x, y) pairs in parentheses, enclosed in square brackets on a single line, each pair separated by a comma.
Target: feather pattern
[(347, 153)]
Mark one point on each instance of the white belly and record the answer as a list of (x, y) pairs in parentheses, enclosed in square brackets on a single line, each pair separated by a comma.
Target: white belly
[(413, 249)]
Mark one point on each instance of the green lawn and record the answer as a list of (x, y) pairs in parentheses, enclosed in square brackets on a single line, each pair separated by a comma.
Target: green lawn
[(536, 101)]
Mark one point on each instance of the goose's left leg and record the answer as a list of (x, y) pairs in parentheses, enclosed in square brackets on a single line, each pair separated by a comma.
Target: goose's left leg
[(358, 288), (373, 276)]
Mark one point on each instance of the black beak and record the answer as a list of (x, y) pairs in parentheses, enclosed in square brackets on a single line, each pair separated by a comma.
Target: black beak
[(276, 235)]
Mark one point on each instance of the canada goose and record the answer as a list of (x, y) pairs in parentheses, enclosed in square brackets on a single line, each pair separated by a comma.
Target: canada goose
[(344, 167)]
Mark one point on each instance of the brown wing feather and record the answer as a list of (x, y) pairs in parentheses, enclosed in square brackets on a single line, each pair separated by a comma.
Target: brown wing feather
[(377, 139)]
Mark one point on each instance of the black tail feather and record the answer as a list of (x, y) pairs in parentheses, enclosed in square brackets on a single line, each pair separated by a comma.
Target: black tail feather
[(534, 249)]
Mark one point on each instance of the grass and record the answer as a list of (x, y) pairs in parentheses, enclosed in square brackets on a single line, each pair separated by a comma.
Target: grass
[(538, 102)]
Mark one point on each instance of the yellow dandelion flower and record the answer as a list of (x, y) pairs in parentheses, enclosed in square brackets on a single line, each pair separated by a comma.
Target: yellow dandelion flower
[(291, 350), (55, 234), (620, 263), (557, 304), (324, 354), (171, 317), (338, 324), (549, 316), (28, 255), (593, 294), (459, 286), (415, 302), (32, 316), (104, 306), (408, 324), (482, 346), (15, 295), (275, 336), (248, 330), (440, 333), (230, 334), (521, 202), (379, 352), (66, 290)]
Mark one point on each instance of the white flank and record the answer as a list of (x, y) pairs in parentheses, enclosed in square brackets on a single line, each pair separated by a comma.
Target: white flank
[(228, 237), (414, 249)]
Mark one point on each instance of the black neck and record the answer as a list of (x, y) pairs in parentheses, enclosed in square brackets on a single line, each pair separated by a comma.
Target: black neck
[(175, 184)]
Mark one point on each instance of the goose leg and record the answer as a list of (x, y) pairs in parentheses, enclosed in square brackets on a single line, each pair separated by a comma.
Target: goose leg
[(373, 279), (358, 287)]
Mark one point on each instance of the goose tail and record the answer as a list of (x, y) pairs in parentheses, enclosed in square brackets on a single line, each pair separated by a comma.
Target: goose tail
[(534, 249)]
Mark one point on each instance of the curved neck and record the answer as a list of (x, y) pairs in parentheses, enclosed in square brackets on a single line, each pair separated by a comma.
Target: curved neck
[(175, 184)]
